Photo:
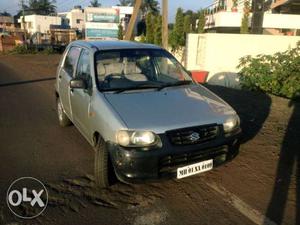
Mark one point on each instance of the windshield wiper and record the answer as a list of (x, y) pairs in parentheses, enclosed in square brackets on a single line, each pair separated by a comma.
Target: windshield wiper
[(138, 87), (178, 83), (149, 86)]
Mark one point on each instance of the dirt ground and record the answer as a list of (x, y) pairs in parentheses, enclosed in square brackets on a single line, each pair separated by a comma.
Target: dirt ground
[(258, 187)]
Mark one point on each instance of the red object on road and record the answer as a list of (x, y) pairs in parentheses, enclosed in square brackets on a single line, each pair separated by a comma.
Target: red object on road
[(200, 76)]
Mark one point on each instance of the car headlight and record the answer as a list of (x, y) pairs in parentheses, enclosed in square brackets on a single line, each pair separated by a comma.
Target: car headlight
[(231, 123), (127, 138)]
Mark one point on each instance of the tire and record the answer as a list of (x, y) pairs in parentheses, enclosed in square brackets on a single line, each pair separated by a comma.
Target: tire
[(102, 165), (63, 119)]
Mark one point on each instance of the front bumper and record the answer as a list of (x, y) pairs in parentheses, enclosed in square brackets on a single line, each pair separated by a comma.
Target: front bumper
[(137, 166)]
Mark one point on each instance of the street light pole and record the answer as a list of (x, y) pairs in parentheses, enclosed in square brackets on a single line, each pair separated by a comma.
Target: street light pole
[(165, 29)]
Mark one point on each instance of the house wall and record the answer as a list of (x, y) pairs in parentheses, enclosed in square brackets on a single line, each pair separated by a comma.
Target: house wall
[(233, 19), (220, 53), (7, 43), (75, 16), (38, 23)]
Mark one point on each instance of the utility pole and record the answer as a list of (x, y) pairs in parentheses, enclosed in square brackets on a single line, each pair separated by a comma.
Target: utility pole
[(258, 10), (165, 29), (132, 21), (23, 18)]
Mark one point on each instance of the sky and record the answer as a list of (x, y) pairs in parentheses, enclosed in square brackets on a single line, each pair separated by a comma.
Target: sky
[(12, 6)]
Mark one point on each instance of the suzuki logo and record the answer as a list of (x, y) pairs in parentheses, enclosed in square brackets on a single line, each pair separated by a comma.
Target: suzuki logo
[(27, 192), (194, 136)]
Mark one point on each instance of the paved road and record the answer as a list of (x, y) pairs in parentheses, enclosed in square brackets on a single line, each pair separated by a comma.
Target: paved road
[(32, 144)]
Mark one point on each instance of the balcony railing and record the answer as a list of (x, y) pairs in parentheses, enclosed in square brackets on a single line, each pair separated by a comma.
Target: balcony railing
[(225, 5)]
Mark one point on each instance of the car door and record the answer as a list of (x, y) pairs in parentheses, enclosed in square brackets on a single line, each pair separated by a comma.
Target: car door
[(66, 73), (81, 98)]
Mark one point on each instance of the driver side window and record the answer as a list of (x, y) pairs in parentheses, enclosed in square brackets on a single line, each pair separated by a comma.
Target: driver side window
[(71, 60), (84, 67)]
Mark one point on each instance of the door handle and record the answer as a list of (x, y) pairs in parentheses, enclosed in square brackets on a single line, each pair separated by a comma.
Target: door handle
[(59, 77)]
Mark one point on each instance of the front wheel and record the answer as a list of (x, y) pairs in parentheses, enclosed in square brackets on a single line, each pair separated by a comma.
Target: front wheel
[(103, 167)]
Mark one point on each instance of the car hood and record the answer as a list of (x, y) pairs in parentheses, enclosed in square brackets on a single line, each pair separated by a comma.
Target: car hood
[(168, 109)]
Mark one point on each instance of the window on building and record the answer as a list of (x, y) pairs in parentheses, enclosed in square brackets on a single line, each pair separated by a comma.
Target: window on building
[(78, 21)]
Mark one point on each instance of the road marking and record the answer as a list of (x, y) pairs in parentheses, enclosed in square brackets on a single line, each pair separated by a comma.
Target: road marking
[(245, 209)]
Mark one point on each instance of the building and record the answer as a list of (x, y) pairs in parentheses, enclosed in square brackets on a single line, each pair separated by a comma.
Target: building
[(39, 23), (281, 17), (74, 18), (6, 23), (125, 15), (101, 23), (286, 6)]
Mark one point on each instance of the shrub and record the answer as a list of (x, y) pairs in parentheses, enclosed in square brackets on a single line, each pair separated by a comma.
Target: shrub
[(158, 30), (277, 74), (120, 32), (201, 22), (49, 51), (245, 20), (22, 49), (150, 28)]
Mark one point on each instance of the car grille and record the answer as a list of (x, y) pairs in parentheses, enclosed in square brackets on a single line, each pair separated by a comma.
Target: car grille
[(170, 162), (193, 135)]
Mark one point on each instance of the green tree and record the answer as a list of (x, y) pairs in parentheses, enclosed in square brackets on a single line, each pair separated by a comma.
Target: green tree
[(4, 13), (177, 35), (125, 3), (39, 7), (245, 19), (120, 32), (201, 22), (187, 24), (194, 17), (149, 28), (158, 30), (95, 3), (148, 6)]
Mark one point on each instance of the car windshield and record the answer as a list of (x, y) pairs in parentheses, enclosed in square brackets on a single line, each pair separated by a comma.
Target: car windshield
[(121, 70)]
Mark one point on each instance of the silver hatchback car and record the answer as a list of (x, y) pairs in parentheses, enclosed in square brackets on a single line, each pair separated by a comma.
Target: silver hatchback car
[(142, 112)]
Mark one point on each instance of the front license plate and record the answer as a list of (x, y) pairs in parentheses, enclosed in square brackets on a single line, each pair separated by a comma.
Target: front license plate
[(194, 169)]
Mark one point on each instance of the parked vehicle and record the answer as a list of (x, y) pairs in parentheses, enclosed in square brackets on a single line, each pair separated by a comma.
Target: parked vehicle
[(142, 112)]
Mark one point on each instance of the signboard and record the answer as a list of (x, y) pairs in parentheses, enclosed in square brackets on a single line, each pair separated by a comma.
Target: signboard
[(102, 23), (102, 15), (101, 30), (101, 33)]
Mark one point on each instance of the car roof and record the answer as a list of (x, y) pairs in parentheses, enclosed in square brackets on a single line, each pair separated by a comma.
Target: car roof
[(114, 45)]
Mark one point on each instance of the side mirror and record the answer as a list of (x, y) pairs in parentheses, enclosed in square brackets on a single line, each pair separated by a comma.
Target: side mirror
[(77, 84)]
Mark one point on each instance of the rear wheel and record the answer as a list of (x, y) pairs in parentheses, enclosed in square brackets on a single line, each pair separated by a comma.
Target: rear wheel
[(63, 119), (103, 168)]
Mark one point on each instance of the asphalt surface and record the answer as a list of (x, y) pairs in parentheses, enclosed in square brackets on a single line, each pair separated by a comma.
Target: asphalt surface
[(241, 192)]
